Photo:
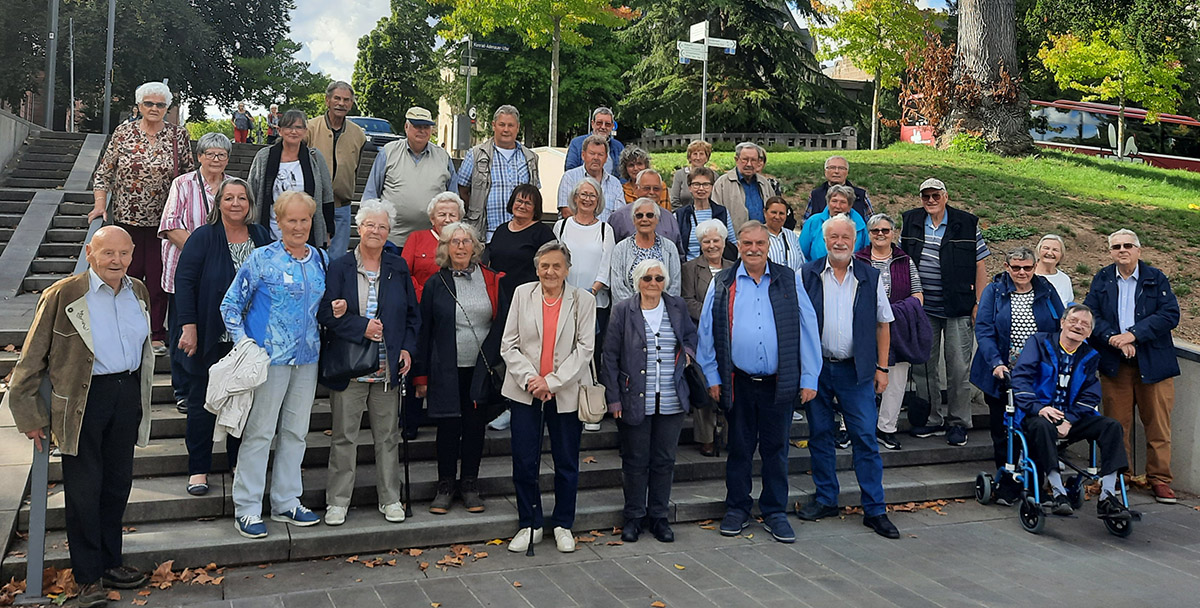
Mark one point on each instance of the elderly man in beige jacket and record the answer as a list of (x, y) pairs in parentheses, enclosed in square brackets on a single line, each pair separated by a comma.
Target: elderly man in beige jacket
[(91, 336)]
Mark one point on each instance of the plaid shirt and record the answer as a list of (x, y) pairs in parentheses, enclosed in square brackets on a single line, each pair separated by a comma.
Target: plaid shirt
[(506, 175)]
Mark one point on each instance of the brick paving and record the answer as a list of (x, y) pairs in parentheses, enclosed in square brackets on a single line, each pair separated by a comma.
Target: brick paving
[(971, 556)]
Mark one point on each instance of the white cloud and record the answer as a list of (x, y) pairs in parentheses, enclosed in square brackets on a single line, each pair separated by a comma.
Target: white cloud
[(330, 31)]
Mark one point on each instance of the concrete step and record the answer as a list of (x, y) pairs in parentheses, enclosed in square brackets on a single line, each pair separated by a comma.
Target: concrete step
[(22, 171), (196, 543), (9, 359), (6, 234), (78, 222), (59, 135), (61, 266), (53, 157), (67, 235), (60, 250), (10, 220), (24, 182), (57, 164), (39, 282), (15, 207)]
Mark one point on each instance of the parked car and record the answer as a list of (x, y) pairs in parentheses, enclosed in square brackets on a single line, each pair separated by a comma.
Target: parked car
[(379, 130)]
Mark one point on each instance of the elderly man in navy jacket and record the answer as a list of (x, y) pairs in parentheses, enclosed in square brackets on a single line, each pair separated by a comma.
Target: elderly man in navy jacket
[(1135, 312), (854, 314)]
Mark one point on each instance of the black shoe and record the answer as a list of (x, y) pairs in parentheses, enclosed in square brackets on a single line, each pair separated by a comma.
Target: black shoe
[(887, 440), (843, 439), (662, 531), (409, 433), (123, 577), (779, 528), (956, 435), (181, 406), (1008, 492), (445, 496), (91, 595), (1112, 508), (927, 431), (1062, 505), (632, 530), (882, 526), (815, 510)]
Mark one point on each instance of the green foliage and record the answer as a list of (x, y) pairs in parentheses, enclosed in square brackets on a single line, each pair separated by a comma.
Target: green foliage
[(530, 20), (196, 128), (965, 142), (1005, 232), (279, 77), (397, 67), (875, 35), (773, 83), (1083, 270)]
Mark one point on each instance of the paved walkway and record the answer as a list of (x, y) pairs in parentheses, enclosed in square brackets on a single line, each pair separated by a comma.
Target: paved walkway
[(970, 556)]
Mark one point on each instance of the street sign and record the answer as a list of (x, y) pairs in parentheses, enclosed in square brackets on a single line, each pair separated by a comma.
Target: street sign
[(472, 113), (698, 31), (490, 46), (691, 50), (462, 70), (722, 43)]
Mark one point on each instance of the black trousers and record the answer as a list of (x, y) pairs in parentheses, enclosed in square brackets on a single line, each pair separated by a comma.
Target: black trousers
[(98, 478), (462, 436), (648, 464), (180, 378), (200, 422), (1106, 432)]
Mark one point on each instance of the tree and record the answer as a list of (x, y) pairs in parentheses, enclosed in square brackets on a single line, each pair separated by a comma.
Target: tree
[(279, 77), (773, 83), (537, 26), (988, 100), (396, 63), (1103, 70), (875, 35)]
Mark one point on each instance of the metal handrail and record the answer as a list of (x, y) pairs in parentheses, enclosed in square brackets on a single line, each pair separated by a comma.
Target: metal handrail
[(39, 477)]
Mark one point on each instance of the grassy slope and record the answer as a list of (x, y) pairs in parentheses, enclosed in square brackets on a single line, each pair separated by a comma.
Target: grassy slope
[(1081, 197)]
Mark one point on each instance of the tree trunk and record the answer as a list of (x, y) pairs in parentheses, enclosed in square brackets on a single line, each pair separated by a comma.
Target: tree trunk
[(985, 103), (553, 139), (875, 110)]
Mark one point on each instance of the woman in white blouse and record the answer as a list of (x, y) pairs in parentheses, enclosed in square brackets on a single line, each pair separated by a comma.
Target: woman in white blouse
[(1050, 252)]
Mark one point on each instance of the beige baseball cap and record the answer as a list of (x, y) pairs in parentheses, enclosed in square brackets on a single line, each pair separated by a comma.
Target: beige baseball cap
[(932, 184), (419, 117)]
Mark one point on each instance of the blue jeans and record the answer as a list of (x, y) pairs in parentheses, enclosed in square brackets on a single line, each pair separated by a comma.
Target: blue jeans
[(565, 430), (756, 420), (340, 242), (857, 404)]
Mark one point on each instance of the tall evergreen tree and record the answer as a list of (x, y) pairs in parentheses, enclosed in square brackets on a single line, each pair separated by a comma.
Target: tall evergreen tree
[(397, 66)]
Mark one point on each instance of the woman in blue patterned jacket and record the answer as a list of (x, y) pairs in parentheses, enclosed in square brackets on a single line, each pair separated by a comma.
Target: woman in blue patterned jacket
[(273, 300)]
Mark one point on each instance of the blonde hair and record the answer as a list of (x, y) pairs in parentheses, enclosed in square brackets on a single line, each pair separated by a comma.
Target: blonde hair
[(290, 197)]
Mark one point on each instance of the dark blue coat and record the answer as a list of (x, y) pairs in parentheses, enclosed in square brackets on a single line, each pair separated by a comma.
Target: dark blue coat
[(993, 326), (1035, 377), (623, 369), (203, 275), (866, 297), (816, 201), (1155, 314), (397, 308), (685, 216)]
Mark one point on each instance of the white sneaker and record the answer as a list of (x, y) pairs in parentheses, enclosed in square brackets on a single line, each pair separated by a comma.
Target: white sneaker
[(520, 542), (393, 512), (335, 516), (591, 426), (564, 539), (500, 423)]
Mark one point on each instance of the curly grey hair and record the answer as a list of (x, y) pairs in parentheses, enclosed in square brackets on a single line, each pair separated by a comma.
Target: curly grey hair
[(446, 197), (629, 154), (374, 206), (153, 88)]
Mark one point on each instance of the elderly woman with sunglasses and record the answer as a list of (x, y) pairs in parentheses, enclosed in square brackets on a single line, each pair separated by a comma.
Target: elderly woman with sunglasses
[(642, 245), (1013, 307)]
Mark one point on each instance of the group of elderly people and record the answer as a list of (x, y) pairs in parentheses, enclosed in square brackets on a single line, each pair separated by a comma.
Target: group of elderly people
[(520, 324)]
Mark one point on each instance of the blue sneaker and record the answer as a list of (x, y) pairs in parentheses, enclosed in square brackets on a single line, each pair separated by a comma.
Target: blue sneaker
[(250, 526), (300, 516), (734, 522), (779, 528)]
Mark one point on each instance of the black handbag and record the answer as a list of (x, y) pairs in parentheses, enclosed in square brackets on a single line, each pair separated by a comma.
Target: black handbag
[(697, 384), (343, 360)]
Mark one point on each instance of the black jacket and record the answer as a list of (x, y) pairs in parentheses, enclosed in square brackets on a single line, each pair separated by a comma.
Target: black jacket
[(957, 255), (816, 200)]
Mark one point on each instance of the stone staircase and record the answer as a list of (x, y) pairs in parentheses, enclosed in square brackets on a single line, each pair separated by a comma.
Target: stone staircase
[(12, 206), (44, 161)]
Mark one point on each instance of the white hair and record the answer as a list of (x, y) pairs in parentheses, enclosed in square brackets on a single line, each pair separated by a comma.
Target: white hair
[(707, 226), (644, 267), (835, 157), (373, 206), (153, 88), (211, 140), (643, 173), (641, 202), (1125, 232), (589, 181), (841, 218), (446, 197)]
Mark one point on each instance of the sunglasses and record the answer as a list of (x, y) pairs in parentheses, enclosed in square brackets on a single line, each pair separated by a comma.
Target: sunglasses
[(932, 196), (1120, 246), (642, 216), (880, 231), (658, 278), (1020, 268), (155, 104)]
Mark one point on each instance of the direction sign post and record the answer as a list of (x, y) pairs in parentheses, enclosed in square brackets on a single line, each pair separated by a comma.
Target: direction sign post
[(697, 50)]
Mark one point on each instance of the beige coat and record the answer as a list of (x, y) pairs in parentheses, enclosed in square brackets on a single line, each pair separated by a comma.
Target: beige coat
[(727, 191), (521, 344), (349, 149), (59, 343)]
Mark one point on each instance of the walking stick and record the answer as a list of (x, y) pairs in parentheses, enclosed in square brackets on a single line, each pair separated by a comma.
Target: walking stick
[(538, 473), (404, 438)]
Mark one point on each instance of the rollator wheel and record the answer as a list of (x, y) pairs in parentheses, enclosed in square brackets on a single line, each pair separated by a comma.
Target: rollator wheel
[(1032, 518), (1119, 527), (984, 488)]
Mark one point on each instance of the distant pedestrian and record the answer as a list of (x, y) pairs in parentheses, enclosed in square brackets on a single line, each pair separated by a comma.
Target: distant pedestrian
[(273, 124), (243, 121)]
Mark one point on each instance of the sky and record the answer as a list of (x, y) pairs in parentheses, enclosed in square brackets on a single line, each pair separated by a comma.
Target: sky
[(330, 31)]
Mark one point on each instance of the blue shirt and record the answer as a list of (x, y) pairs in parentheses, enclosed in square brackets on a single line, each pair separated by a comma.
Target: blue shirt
[(507, 171), (837, 335), (754, 199), (610, 191), (1126, 299), (119, 329), (812, 237), (754, 320)]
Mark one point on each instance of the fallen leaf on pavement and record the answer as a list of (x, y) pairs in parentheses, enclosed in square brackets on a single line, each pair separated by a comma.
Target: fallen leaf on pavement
[(708, 527), (616, 531), (801, 443), (328, 432), (351, 559), (516, 583), (138, 602), (589, 460), (480, 555), (114, 596), (613, 543), (750, 536), (596, 533), (423, 566), (912, 535), (679, 567), (585, 539), (495, 541), (706, 522), (144, 592), (435, 605), (657, 604), (269, 575), (391, 562), (415, 552), (10, 348)]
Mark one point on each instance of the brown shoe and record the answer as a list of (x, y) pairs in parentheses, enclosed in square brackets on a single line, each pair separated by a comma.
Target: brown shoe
[(90, 595), (707, 450), (468, 488), (443, 499), (1163, 493)]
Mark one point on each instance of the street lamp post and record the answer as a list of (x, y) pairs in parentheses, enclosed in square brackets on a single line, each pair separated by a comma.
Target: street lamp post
[(108, 64), (51, 57)]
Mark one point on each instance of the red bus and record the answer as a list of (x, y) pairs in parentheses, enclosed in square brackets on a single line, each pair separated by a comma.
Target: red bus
[(1090, 128)]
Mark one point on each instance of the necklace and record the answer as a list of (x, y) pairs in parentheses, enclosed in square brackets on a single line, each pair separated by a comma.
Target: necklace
[(551, 303)]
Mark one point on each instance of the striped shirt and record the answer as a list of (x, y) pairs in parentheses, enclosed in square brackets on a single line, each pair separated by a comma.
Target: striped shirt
[(380, 374), (785, 250), (187, 208), (660, 363), (885, 275), (929, 268)]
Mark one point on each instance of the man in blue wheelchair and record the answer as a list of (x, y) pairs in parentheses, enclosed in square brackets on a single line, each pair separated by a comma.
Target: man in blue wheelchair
[(1056, 394)]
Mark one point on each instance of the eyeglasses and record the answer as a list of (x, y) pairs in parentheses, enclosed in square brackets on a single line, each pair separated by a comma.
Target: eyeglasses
[(836, 168), (1120, 246), (653, 188), (216, 155), (642, 216), (1020, 268), (524, 202), (162, 105), (658, 278), (372, 226), (294, 128), (880, 230), (700, 185), (932, 196), (461, 243), (587, 196)]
